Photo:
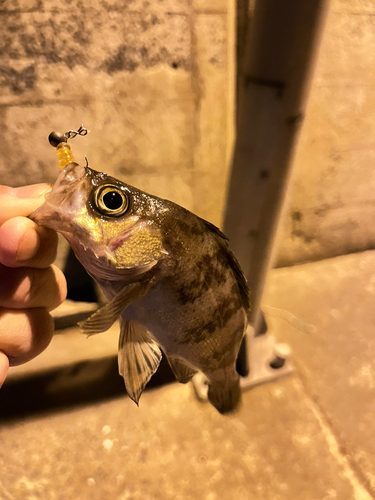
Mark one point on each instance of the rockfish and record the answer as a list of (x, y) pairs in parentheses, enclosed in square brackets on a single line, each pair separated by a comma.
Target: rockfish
[(169, 276)]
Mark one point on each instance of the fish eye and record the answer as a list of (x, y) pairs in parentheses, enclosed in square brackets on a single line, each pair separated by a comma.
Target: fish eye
[(110, 200)]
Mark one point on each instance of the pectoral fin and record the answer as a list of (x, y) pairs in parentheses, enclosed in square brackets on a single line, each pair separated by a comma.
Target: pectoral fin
[(138, 357), (103, 318), (183, 372)]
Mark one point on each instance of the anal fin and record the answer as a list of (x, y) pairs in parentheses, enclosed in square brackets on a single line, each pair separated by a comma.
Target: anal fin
[(139, 357), (183, 372)]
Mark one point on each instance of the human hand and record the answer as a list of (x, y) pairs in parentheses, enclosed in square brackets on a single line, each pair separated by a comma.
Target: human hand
[(30, 285)]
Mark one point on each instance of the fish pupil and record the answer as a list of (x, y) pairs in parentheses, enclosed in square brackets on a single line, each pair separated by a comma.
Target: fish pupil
[(113, 200)]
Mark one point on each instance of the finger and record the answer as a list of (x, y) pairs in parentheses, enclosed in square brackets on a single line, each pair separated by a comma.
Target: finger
[(27, 287), (21, 201), (25, 244), (24, 334), (4, 366)]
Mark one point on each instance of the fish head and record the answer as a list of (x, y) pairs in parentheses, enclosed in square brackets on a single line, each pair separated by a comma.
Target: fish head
[(112, 227)]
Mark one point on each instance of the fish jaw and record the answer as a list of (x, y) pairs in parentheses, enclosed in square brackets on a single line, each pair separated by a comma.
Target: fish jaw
[(103, 247), (64, 200)]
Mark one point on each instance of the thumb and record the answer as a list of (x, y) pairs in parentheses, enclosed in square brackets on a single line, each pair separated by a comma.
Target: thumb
[(21, 201)]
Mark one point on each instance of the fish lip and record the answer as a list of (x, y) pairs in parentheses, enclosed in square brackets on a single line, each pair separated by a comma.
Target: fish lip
[(57, 222)]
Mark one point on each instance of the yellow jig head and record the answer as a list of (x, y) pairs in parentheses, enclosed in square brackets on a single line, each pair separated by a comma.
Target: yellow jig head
[(63, 150)]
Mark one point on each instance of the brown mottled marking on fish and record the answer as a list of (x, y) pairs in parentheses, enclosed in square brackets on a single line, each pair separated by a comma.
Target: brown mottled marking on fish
[(170, 241), (232, 262), (226, 309), (209, 272), (198, 334), (219, 318), (193, 227), (226, 356), (227, 352)]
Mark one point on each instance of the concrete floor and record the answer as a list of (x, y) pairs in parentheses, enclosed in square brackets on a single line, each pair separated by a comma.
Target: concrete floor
[(70, 432)]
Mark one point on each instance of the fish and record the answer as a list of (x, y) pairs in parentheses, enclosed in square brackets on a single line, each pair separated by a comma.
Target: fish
[(169, 276)]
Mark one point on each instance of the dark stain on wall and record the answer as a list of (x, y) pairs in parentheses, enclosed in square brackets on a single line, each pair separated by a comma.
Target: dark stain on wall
[(82, 35), (126, 59), (296, 215), (18, 80), (130, 58)]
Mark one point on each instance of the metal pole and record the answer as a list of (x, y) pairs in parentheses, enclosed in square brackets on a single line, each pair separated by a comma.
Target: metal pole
[(281, 49)]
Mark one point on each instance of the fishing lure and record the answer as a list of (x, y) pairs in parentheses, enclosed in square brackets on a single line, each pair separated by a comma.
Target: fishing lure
[(63, 150)]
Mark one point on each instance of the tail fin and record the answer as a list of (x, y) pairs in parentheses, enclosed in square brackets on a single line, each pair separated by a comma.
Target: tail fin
[(224, 393)]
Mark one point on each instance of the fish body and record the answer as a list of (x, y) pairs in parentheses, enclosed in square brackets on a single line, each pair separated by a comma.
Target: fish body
[(168, 275)]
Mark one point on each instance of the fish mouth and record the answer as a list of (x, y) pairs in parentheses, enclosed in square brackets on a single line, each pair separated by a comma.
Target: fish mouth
[(49, 216), (67, 193), (67, 198)]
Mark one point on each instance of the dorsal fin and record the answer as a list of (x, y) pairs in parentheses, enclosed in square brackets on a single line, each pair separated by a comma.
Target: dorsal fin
[(222, 240)]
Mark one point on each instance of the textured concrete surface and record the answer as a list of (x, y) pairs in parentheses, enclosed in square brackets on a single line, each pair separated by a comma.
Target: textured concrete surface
[(331, 203), (172, 447), (210, 30), (146, 79), (335, 299), (154, 82), (308, 437)]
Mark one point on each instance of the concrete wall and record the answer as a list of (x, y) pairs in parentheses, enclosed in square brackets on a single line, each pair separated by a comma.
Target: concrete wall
[(332, 193), (150, 79), (153, 81)]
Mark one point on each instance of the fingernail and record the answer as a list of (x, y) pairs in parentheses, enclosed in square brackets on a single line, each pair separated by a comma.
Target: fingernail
[(28, 245), (33, 191)]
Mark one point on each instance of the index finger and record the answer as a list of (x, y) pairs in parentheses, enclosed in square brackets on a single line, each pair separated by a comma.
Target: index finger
[(21, 201)]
